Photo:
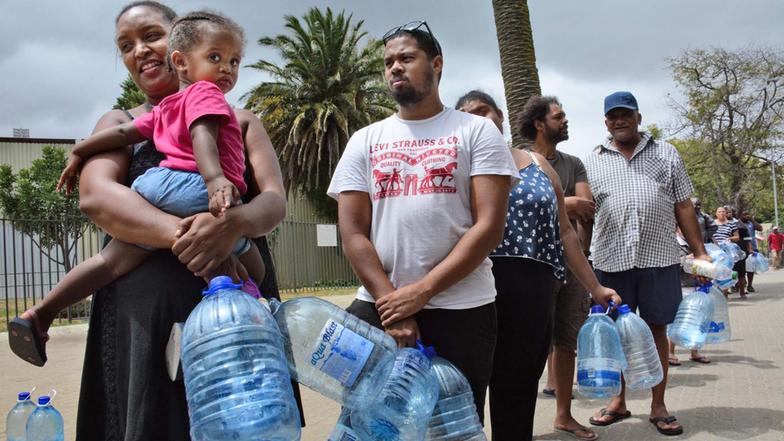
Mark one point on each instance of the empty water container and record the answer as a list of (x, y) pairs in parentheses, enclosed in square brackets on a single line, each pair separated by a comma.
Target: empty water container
[(690, 327), (454, 417), (333, 352), (718, 255), (402, 411), (600, 358), (45, 422), (699, 267), (732, 249), (236, 379), (727, 283), (719, 329), (643, 366), (16, 420), (756, 263)]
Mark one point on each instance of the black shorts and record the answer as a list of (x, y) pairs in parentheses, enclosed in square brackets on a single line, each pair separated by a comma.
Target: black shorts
[(655, 291)]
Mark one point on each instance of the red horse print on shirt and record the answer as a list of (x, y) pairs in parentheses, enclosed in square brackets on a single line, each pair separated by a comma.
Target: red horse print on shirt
[(387, 184), (436, 179)]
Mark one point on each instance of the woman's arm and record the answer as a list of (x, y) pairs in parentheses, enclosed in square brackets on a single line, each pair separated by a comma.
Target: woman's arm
[(575, 259), (115, 208), (205, 241)]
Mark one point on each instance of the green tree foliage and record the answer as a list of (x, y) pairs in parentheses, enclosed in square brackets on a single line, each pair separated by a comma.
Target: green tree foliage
[(327, 86), (733, 115), (518, 58), (131, 95), (51, 219)]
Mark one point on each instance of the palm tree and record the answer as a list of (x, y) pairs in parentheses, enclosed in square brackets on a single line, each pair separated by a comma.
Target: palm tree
[(518, 58), (325, 88)]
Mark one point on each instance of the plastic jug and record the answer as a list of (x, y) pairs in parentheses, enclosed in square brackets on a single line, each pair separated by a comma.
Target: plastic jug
[(333, 352), (690, 327), (236, 379), (45, 422), (454, 416), (719, 329), (17, 417), (402, 411), (704, 268), (600, 358), (643, 366)]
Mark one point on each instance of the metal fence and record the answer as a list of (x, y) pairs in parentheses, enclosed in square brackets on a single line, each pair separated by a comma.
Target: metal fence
[(28, 271)]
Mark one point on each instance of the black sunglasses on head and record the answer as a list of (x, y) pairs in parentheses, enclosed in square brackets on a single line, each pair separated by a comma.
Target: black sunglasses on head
[(413, 26)]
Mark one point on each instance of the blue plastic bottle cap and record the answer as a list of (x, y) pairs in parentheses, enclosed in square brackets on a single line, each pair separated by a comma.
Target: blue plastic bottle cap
[(597, 309), (24, 396), (220, 283), (624, 309), (427, 351), (43, 400)]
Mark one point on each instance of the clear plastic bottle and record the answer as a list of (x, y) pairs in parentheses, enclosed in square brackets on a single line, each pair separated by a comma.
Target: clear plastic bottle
[(333, 352), (733, 250), (402, 411), (45, 423), (704, 268), (727, 283), (643, 366), (16, 420), (756, 263), (719, 329), (342, 430), (454, 417), (718, 255), (236, 379), (600, 358), (690, 327)]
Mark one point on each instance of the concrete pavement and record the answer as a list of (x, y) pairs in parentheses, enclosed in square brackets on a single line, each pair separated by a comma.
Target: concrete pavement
[(739, 396)]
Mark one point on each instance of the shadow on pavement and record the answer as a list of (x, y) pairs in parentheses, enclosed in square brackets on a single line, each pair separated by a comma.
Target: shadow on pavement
[(744, 360), (689, 380), (701, 423)]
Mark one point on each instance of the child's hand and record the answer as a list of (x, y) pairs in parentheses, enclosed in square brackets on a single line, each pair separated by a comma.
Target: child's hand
[(223, 194), (69, 175)]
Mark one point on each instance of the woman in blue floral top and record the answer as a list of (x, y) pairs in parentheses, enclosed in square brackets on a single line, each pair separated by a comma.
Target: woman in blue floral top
[(526, 266)]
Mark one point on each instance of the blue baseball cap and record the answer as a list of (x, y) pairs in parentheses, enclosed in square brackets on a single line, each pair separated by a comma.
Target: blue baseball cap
[(620, 99)]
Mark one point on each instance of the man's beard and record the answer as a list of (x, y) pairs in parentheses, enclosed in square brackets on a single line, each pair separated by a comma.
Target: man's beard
[(409, 96), (557, 136)]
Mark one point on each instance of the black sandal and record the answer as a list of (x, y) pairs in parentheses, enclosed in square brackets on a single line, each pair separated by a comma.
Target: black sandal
[(614, 417), (26, 341), (667, 420)]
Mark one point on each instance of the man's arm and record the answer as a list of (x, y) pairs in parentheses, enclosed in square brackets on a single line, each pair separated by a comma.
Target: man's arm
[(687, 221), (584, 226), (489, 215), (356, 213)]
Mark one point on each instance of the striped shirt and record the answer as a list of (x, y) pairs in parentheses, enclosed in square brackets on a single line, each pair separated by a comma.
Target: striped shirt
[(724, 231), (635, 204)]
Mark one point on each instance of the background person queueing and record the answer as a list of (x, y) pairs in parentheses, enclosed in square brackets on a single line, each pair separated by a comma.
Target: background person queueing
[(527, 266)]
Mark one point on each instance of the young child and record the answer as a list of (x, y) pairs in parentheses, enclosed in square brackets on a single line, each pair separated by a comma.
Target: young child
[(198, 132)]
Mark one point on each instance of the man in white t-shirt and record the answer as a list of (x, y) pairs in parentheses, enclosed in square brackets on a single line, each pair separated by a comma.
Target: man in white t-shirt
[(422, 199)]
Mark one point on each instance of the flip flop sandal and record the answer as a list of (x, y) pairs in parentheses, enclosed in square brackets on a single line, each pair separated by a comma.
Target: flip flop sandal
[(549, 392), (574, 432), (673, 361), (703, 359), (614, 417), (667, 420), (26, 341)]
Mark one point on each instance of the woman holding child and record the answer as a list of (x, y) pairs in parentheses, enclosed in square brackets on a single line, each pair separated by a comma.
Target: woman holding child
[(126, 393)]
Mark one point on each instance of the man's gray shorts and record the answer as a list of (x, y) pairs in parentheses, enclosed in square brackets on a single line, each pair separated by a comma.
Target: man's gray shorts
[(571, 304)]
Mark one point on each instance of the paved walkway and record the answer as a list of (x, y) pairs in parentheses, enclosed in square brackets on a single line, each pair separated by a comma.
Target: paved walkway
[(739, 396)]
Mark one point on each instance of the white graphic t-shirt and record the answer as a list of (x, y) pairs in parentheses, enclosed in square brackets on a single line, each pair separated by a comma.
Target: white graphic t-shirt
[(417, 174)]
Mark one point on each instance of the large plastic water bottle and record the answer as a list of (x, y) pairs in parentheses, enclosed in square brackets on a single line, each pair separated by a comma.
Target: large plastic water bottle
[(236, 380), (733, 250), (718, 255), (756, 263), (600, 358), (333, 352), (343, 430), (643, 366), (719, 329), (454, 417), (699, 267), (45, 423), (727, 283), (690, 327), (16, 420), (402, 411)]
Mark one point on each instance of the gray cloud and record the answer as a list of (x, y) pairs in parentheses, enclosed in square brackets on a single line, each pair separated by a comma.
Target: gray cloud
[(60, 69)]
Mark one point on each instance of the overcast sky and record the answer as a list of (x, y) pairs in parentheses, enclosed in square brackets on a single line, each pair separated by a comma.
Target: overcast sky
[(59, 69)]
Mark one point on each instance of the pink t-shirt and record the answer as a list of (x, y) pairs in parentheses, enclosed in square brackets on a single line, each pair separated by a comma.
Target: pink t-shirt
[(168, 125)]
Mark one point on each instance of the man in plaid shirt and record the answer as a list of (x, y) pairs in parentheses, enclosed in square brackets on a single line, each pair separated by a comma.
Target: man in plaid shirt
[(642, 193)]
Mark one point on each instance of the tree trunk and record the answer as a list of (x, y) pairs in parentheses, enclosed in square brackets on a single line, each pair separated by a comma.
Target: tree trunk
[(518, 58)]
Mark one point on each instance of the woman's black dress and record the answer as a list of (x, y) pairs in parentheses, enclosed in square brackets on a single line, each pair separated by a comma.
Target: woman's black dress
[(126, 394)]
